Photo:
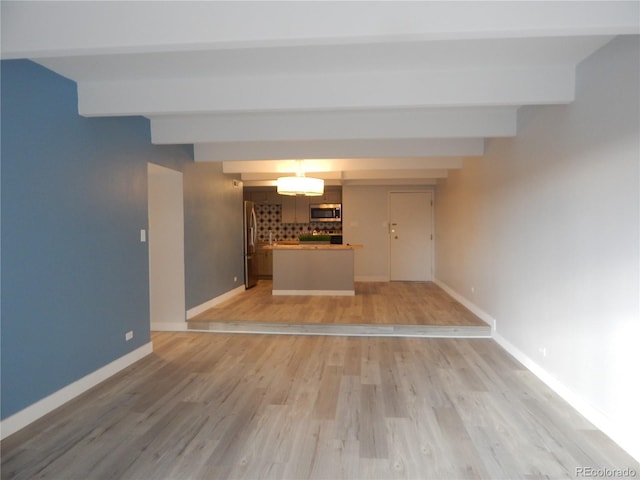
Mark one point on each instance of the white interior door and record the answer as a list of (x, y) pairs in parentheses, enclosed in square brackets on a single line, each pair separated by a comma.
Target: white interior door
[(166, 246), (410, 236)]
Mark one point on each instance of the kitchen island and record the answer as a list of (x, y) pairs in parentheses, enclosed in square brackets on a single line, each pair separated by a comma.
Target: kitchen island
[(311, 269)]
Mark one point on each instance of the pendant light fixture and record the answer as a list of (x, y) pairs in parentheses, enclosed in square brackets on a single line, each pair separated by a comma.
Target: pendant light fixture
[(300, 184)]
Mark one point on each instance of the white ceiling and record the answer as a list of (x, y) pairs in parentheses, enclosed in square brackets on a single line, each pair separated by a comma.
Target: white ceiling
[(376, 91)]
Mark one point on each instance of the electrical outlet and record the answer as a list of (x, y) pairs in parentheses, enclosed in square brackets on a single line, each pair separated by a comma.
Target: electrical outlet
[(143, 235), (235, 279), (473, 289), (543, 351), (129, 335)]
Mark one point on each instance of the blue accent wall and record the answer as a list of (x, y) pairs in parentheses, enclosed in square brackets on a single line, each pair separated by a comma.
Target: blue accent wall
[(74, 198)]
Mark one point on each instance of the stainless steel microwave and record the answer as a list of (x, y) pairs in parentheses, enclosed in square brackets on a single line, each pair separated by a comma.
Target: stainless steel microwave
[(325, 212)]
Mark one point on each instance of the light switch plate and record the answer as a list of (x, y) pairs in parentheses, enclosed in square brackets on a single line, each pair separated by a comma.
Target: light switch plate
[(143, 235)]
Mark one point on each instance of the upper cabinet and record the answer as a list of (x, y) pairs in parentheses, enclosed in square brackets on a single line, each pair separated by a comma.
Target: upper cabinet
[(295, 209), (331, 195), (263, 196)]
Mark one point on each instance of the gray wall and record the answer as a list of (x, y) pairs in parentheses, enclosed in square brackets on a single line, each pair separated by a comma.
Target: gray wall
[(213, 232), (545, 229), (365, 222)]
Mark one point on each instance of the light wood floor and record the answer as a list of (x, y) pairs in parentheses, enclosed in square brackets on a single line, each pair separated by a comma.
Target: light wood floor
[(220, 406), (375, 303)]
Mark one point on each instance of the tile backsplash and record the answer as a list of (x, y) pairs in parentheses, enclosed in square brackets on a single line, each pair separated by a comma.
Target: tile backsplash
[(268, 217)]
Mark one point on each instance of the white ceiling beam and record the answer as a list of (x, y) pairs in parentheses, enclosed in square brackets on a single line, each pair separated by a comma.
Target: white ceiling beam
[(225, 151), (274, 175), (340, 177), (345, 124), (355, 90), (272, 183), (391, 181), (359, 182), (356, 175), (393, 174), (319, 59), (459, 55), (55, 28), (350, 167)]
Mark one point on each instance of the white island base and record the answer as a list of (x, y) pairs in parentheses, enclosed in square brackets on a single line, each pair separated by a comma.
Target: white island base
[(313, 269)]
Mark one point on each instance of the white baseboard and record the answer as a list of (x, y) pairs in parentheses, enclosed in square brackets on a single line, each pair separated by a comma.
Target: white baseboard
[(24, 417), (203, 307), (484, 316), (335, 293), (371, 278), (625, 439), (168, 326)]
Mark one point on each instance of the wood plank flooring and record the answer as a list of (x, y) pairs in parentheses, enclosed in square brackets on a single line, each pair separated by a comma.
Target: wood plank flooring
[(378, 308), (220, 406)]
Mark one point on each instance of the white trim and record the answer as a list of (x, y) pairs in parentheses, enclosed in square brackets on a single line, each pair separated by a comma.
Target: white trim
[(346, 329), (484, 316), (627, 441), (37, 410), (623, 438), (165, 200), (371, 278), (340, 293), (168, 326), (197, 310)]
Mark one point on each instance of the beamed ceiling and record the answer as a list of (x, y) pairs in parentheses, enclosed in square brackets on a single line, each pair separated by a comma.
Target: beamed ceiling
[(368, 92)]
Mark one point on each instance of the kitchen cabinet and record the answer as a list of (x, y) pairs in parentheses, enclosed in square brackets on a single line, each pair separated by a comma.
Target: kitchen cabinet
[(332, 268), (295, 209), (329, 196), (268, 197), (264, 262)]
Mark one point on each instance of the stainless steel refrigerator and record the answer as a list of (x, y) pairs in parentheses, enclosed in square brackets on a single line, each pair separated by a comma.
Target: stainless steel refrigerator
[(250, 237)]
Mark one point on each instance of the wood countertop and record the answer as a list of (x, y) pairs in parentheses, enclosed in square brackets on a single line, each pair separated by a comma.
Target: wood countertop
[(313, 246)]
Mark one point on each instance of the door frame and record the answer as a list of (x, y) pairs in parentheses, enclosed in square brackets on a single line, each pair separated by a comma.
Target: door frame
[(168, 260), (433, 228)]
